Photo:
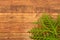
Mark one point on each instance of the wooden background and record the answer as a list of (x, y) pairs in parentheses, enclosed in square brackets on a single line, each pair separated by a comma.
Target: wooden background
[(16, 16)]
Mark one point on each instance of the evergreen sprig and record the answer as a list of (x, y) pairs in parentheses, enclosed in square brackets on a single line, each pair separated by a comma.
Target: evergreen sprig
[(49, 30)]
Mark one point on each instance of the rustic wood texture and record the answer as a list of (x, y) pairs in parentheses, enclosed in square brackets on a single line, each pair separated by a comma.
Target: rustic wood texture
[(16, 16)]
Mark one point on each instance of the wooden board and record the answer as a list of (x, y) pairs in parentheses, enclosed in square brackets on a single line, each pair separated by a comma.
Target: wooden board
[(16, 16)]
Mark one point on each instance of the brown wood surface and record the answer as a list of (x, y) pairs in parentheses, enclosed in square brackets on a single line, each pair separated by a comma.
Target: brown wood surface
[(16, 16)]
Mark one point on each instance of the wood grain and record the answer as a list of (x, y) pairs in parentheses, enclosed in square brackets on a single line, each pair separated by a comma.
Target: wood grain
[(16, 16)]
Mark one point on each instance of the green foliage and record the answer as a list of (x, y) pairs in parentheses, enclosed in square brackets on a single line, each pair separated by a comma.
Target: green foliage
[(49, 29)]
